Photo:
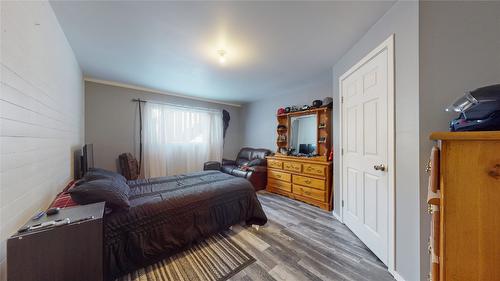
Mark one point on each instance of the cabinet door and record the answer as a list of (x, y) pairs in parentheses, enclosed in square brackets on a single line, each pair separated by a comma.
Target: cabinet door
[(470, 206)]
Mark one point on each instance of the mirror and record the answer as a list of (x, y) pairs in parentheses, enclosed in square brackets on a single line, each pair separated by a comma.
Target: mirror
[(303, 134)]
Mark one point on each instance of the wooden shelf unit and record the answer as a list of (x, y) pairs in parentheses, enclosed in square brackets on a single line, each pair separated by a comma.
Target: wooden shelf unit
[(323, 116), (308, 179)]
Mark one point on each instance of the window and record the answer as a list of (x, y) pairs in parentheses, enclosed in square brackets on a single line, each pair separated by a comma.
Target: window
[(180, 139)]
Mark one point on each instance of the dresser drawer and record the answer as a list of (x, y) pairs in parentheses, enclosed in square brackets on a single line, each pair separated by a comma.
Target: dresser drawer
[(433, 170), (292, 166), (310, 182), (279, 175), (435, 234), (312, 169), (309, 192), (276, 164), (285, 186)]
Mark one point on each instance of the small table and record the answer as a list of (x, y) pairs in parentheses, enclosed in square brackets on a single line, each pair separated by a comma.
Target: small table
[(68, 252)]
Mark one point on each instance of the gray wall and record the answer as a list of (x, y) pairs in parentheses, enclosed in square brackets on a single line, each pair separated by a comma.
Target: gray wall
[(111, 121), (41, 113), (402, 21), (259, 118), (459, 51)]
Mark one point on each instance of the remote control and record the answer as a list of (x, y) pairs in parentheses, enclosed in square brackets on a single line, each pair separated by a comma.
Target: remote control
[(38, 215), (23, 229)]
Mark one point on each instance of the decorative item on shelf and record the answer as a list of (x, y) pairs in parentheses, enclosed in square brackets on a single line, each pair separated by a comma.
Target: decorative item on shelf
[(283, 150), (327, 102), (316, 103), (322, 125), (287, 109), (305, 107), (281, 138), (322, 140), (281, 110), (294, 108), (281, 128), (309, 155)]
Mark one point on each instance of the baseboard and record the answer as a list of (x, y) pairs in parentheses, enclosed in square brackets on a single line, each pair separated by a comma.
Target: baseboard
[(337, 217), (396, 275)]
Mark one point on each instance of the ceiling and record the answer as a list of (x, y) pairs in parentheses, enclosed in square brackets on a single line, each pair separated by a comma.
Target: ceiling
[(172, 46)]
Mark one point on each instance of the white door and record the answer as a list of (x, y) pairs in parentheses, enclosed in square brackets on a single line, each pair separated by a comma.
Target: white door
[(365, 180)]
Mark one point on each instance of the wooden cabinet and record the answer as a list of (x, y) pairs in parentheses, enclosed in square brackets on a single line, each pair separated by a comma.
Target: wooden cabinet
[(464, 201), (304, 179), (323, 142)]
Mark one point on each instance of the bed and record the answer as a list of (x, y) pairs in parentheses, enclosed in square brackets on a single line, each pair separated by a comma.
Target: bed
[(168, 214)]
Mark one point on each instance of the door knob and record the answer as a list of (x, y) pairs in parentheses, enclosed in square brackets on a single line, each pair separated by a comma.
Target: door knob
[(380, 167)]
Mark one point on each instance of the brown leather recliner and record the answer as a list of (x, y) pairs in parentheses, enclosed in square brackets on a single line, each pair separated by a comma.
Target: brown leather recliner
[(250, 163)]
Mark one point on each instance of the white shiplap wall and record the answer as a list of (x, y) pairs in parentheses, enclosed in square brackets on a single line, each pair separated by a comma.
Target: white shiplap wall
[(41, 113)]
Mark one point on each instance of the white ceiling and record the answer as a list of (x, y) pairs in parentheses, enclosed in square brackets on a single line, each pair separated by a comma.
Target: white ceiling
[(172, 46)]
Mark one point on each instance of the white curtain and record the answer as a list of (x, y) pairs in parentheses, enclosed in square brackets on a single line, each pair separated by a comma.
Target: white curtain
[(180, 139)]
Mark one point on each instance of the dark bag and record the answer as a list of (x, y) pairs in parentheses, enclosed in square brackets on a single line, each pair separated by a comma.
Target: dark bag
[(129, 166)]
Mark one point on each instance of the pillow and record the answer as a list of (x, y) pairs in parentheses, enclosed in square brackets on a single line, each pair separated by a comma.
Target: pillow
[(63, 200), (112, 190), (103, 172), (99, 174)]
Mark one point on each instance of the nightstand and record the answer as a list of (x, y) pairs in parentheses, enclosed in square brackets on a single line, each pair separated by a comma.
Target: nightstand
[(60, 253)]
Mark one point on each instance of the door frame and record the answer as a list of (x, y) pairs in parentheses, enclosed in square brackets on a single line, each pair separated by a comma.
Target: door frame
[(391, 208)]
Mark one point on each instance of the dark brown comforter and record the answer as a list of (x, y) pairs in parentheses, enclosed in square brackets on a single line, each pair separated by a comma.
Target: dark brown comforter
[(167, 214)]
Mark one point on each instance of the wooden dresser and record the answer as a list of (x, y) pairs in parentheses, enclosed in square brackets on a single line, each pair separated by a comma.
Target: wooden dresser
[(464, 201), (301, 178)]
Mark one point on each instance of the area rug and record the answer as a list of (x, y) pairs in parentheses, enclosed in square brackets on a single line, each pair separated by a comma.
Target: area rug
[(216, 258)]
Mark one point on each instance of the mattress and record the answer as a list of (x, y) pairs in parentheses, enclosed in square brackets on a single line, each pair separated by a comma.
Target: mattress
[(168, 214)]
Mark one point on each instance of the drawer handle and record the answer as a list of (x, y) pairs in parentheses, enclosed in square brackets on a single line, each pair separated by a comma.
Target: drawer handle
[(307, 192), (308, 181), (495, 172), (428, 167), (380, 167), (278, 176)]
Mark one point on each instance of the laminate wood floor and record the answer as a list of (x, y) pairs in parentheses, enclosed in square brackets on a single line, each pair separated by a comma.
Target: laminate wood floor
[(302, 242)]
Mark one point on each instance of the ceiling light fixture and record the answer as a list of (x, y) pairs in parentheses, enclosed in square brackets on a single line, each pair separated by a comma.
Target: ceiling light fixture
[(222, 56)]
